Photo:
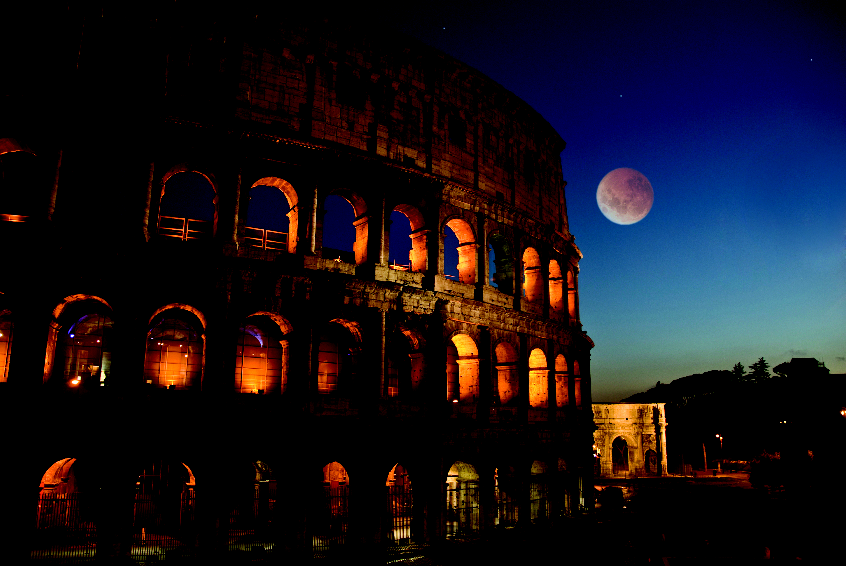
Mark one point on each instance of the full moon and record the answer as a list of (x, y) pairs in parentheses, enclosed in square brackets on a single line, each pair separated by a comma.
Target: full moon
[(624, 196)]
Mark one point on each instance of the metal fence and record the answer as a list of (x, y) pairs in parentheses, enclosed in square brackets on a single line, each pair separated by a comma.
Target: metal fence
[(266, 239), (331, 519), (399, 513), (462, 509), (164, 527), (506, 509), (65, 533), (185, 228), (251, 522)]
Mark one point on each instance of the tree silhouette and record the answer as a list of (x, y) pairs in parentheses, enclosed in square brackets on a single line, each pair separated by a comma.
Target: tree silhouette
[(738, 371), (759, 371)]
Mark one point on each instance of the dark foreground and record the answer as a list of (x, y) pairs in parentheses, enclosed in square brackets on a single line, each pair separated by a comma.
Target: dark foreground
[(672, 521)]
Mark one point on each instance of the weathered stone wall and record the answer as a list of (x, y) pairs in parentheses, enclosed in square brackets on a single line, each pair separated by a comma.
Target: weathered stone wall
[(387, 124), (643, 427)]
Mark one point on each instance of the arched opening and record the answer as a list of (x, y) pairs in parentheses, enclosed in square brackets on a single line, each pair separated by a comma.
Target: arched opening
[(337, 354), (538, 493), (175, 350), (268, 218), (261, 357), (501, 263), (164, 510), (506, 494), (85, 348), (399, 242), (405, 364), (650, 461), (465, 251), (65, 513), (508, 379), (538, 380), (252, 511), (345, 232), (462, 370), (532, 281), (79, 343), (562, 393), (18, 174), (462, 500), (619, 456), (571, 298), (331, 515), (556, 288), (399, 510), (6, 329), (188, 206)]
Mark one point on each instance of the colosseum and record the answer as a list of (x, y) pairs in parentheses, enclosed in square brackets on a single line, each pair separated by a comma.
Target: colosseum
[(242, 258)]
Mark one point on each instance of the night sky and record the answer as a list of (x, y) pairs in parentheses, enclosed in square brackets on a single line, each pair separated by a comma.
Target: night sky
[(736, 113)]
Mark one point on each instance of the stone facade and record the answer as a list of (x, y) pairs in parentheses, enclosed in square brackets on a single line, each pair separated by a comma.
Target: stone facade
[(630, 439), (243, 387)]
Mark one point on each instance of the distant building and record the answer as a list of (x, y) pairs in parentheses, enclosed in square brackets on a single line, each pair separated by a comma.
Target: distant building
[(630, 439)]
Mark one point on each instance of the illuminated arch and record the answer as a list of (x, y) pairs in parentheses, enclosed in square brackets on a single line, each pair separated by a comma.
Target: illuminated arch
[(360, 223), (95, 305), (405, 362), (562, 393), (261, 355), (508, 380), (337, 356), (293, 204), (532, 280), (6, 334), (538, 379), (466, 249), (187, 232), (572, 297), (462, 369), (556, 289), (418, 255), (175, 348)]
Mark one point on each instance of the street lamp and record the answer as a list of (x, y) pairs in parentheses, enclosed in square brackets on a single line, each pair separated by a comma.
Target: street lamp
[(721, 453)]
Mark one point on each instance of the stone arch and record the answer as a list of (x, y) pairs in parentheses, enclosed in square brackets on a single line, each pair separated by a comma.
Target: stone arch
[(502, 272), (538, 379), (556, 288), (18, 167), (538, 492), (360, 222), (572, 297), (175, 348), (261, 357), (532, 280), (405, 364), (293, 205), (67, 307), (337, 356), (462, 500), (508, 379), (400, 503), (463, 369), (466, 249), (562, 392), (6, 334), (620, 449), (188, 232), (418, 255)]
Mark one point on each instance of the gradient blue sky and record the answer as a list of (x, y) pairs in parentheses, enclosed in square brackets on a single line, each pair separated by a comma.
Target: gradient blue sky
[(736, 112)]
